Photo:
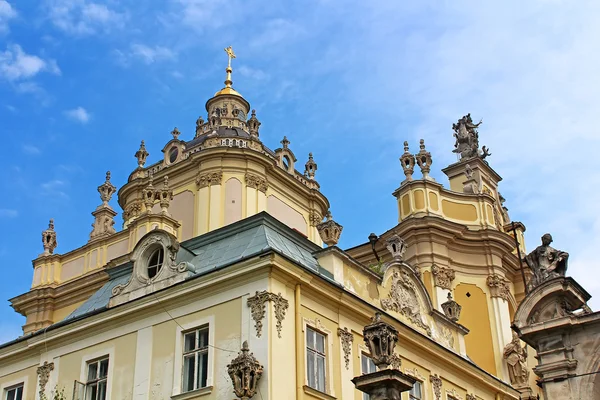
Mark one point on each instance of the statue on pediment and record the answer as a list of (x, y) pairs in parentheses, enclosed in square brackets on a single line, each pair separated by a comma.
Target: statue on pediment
[(467, 139), (546, 262)]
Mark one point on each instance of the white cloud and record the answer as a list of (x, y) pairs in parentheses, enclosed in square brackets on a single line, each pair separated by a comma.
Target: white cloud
[(16, 65), (7, 12), (150, 55), (252, 73), (8, 213), (31, 150), (82, 17), (79, 114), (55, 188)]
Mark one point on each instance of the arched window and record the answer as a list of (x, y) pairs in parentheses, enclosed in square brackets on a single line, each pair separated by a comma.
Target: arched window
[(286, 163), (155, 262)]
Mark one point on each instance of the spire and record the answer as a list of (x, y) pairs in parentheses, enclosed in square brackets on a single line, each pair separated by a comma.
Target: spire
[(230, 55), (253, 124), (49, 239), (310, 167), (106, 190), (141, 155)]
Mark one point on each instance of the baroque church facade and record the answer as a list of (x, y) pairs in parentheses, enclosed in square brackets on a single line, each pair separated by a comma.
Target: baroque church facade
[(226, 282)]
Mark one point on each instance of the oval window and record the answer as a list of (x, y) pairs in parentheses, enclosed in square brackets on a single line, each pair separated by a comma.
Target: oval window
[(155, 262), (173, 153)]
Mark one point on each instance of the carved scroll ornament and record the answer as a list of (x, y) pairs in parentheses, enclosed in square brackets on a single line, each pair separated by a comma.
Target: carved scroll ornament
[(443, 277), (347, 338), (209, 179), (498, 287), (43, 373), (436, 383), (258, 309)]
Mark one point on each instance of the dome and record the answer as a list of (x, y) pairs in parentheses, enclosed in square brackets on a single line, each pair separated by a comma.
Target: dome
[(228, 90)]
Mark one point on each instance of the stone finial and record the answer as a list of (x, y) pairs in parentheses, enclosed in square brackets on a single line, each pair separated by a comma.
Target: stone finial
[(381, 338), (285, 142), (330, 231), (141, 155), (49, 239), (397, 246), (165, 195), (424, 160), (408, 163), (175, 132), (310, 167), (149, 195), (253, 124), (245, 372), (451, 308), (106, 190), (199, 123)]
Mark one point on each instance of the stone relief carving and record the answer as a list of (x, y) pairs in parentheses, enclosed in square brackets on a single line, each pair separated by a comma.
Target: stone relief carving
[(315, 218), (414, 373), (436, 383), (49, 239), (453, 394), (444, 337), (257, 182), (396, 246), (132, 210), (467, 139), (330, 231), (395, 361), (516, 361), (43, 373), (546, 262), (346, 338), (498, 287), (471, 397), (209, 179), (403, 299), (443, 277), (257, 304)]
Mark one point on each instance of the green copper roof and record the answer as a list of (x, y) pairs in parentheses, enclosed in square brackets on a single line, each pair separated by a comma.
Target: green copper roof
[(218, 249)]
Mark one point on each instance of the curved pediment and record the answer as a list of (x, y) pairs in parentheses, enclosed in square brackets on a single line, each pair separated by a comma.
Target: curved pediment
[(406, 295), (551, 300)]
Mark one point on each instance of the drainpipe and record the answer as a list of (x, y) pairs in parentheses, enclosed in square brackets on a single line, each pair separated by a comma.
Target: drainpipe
[(299, 349)]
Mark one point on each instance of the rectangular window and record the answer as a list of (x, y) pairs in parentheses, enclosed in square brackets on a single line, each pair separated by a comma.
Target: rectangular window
[(366, 367), (15, 392), (315, 359), (97, 377), (195, 359), (415, 392)]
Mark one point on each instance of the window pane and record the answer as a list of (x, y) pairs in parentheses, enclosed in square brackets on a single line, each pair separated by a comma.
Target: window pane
[(366, 396), (91, 392), (202, 369), (310, 338), (92, 371), (364, 364), (310, 369), (321, 373), (320, 343), (102, 390), (19, 393), (372, 367), (188, 373), (190, 341), (11, 394), (203, 339), (103, 368)]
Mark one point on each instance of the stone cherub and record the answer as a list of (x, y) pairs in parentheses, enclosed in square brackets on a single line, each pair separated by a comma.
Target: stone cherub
[(546, 262), (516, 360)]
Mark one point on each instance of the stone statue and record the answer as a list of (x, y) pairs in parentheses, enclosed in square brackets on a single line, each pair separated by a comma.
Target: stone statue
[(546, 262), (467, 139), (516, 360)]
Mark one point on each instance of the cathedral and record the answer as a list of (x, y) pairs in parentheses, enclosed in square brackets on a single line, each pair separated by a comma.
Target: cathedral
[(225, 281)]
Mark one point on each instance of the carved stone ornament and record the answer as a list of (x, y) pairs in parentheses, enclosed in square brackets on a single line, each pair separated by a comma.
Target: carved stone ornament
[(245, 372), (471, 397), (346, 338), (165, 195), (330, 231), (141, 155), (175, 132), (104, 214), (467, 139), (258, 309), (209, 179), (132, 210), (498, 287), (436, 383), (315, 218), (257, 182), (380, 338), (471, 185), (253, 124), (49, 239), (453, 394), (396, 246), (516, 361), (310, 167), (43, 373), (403, 300), (106, 190), (444, 336), (451, 308), (414, 373), (408, 163), (168, 272), (546, 262), (424, 160), (443, 277), (199, 124)]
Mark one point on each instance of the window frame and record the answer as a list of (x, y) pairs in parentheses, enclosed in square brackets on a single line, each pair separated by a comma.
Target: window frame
[(316, 325), (411, 397), (18, 381), (317, 354), (196, 351), (99, 379), (158, 265), (7, 390)]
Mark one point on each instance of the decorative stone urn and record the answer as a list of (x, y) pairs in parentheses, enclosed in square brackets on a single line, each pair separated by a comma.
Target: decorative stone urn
[(245, 372), (384, 384)]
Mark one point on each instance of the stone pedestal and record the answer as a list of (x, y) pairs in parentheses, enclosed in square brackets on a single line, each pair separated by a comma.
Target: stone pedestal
[(387, 384)]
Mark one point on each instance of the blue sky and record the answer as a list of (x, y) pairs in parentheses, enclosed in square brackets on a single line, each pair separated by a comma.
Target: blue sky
[(82, 82)]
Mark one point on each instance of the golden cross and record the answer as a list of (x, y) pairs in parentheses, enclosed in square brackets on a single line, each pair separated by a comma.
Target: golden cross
[(230, 54)]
